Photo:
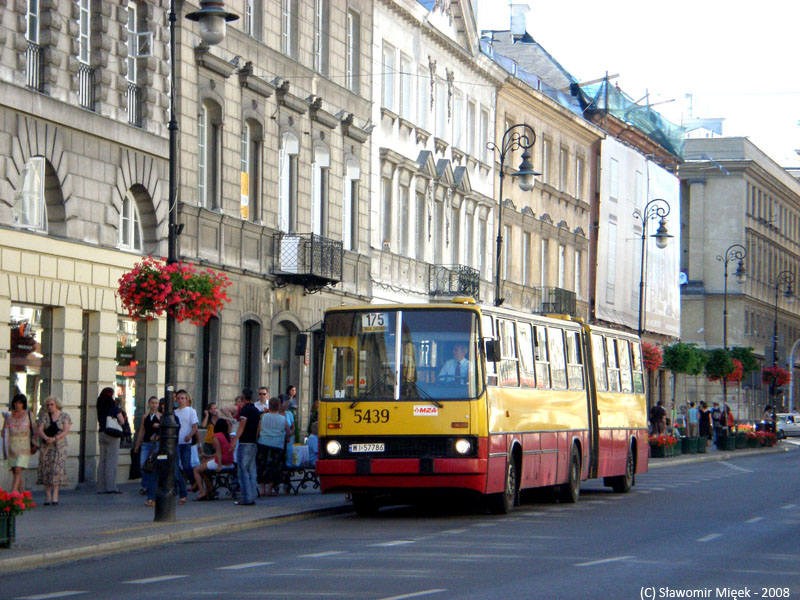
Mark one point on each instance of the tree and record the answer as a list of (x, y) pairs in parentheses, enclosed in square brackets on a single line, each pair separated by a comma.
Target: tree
[(684, 358)]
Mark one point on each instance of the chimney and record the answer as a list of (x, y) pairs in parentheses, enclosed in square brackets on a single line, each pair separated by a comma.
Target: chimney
[(518, 12)]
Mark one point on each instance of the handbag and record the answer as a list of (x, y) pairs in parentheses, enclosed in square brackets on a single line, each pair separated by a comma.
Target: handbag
[(149, 465), (113, 427), (52, 430), (34, 437)]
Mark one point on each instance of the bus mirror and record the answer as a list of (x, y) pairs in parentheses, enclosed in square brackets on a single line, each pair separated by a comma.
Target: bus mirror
[(492, 350)]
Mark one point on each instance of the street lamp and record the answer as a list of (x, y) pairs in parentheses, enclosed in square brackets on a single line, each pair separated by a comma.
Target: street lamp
[(734, 252), (212, 18), (657, 208), (519, 136), (785, 279)]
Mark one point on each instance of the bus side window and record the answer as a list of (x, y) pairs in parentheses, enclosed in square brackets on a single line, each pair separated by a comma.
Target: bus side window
[(613, 368), (487, 326), (527, 377), (599, 357), (542, 358), (344, 375), (508, 351), (574, 361), (624, 366), (558, 365), (638, 374)]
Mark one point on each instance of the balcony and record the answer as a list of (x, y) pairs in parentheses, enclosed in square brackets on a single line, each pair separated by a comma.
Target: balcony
[(553, 300), (306, 259), (86, 87), (33, 67), (454, 280), (134, 102)]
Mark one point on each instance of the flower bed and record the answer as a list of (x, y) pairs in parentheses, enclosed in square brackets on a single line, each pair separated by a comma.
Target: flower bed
[(12, 504), (662, 446)]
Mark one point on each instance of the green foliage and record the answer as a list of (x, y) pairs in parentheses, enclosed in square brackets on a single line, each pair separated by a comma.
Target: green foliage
[(684, 358), (748, 359), (719, 364)]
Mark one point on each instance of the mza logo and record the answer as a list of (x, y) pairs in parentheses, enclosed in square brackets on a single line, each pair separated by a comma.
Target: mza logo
[(426, 411)]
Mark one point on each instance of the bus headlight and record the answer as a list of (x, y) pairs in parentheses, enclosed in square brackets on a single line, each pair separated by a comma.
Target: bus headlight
[(463, 446), (333, 448)]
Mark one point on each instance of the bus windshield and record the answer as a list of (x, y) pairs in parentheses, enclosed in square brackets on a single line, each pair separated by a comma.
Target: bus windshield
[(401, 355)]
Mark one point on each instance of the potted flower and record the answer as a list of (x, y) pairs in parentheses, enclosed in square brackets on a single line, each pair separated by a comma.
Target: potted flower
[(662, 446), (12, 504), (154, 287)]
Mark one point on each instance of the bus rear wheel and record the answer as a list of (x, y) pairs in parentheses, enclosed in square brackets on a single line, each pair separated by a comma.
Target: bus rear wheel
[(570, 491), (503, 503), (622, 484)]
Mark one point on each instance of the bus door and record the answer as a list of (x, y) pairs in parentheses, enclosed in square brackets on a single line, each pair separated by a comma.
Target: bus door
[(596, 381)]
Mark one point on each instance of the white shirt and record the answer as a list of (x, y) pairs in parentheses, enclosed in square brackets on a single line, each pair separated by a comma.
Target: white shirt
[(261, 406), (455, 368), (187, 417)]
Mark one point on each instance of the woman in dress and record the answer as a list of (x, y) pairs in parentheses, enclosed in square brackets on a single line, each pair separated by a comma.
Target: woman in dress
[(146, 444), (109, 445), (223, 457), (20, 432), (53, 457), (273, 433)]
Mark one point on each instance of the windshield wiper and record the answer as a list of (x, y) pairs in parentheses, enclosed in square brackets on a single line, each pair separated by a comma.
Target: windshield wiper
[(378, 383), (423, 394)]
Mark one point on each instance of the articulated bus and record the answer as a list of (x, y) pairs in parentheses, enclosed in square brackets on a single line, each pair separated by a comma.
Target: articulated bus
[(468, 397)]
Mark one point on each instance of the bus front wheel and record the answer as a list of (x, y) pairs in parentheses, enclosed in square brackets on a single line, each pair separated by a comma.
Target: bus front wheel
[(570, 491), (503, 503)]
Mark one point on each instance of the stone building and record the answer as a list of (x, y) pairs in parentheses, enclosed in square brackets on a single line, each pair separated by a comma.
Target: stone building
[(274, 167)]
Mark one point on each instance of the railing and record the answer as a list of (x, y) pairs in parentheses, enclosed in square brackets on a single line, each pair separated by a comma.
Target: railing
[(86, 86), (134, 105), (307, 259), (454, 280), (553, 300), (33, 67)]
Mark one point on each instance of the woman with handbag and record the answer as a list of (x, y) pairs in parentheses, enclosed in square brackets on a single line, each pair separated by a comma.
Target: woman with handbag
[(54, 426), (23, 439), (147, 444), (110, 420)]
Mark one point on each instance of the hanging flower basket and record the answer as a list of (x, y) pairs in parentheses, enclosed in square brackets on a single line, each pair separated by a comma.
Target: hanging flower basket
[(652, 356), (775, 376), (154, 287)]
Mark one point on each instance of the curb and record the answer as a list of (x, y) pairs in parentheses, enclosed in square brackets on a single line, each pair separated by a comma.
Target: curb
[(32, 561), (718, 456)]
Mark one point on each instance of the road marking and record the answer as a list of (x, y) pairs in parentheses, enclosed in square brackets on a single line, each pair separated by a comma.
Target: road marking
[(709, 537), (415, 594), (737, 468), (602, 561), (249, 565), (788, 506), (393, 543), (155, 579), (52, 595), (755, 520), (454, 531), (321, 554)]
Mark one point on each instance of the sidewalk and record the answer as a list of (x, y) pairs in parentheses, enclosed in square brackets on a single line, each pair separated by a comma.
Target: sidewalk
[(86, 524), (712, 454)]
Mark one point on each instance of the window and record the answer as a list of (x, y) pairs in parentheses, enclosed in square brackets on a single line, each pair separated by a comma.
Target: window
[(350, 205), (388, 74), (32, 22), (455, 234), (483, 151), (321, 36), (289, 28), (132, 54), (441, 109), (527, 373), (574, 360), (251, 354), (402, 219), (563, 159), (599, 359), (423, 99), (287, 183), (469, 235), (421, 221), (487, 326), (209, 142), (406, 95), (541, 357), (130, 228), (131, 367), (506, 250), (84, 30), (253, 10), (612, 365), (624, 366), (546, 144), (526, 257), (543, 264), (319, 190), (439, 234), (29, 203), (577, 271), (207, 378), (562, 265), (352, 51), (638, 375), (579, 167), (558, 367), (471, 113), (250, 160), (508, 353), (458, 120), (386, 190), (613, 179), (483, 231), (30, 372), (611, 261)]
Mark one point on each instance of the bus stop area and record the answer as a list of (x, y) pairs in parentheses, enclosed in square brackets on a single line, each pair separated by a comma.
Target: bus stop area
[(86, 524)]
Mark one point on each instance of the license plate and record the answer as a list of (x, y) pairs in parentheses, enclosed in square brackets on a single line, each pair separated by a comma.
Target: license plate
[(377, 447)]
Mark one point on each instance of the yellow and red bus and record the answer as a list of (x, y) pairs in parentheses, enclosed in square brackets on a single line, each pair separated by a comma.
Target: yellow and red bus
[(462, 396)]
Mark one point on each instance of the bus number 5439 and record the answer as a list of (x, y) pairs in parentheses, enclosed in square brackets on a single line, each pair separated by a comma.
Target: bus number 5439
[(371, 415)]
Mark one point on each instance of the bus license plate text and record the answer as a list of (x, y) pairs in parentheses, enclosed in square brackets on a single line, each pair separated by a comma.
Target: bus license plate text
[(375, 447)]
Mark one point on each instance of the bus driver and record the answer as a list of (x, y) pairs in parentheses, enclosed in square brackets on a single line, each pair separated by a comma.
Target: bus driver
[(457, 368)]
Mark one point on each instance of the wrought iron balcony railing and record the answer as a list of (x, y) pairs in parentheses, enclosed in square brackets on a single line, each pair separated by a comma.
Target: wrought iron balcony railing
[(454, 280), (34, 67), (86, 86), (553, 300), (306, 259), (134, 105)]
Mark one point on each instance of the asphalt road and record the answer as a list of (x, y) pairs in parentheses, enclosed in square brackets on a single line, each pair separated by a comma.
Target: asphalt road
[(708, 530)]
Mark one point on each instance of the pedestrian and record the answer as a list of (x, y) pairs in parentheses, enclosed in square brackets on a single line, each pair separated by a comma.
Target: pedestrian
[(273, 434), (54, 425), (209, 422), (109, 444), (286, 412), (717, 421), (186, 435), (766, 419), (291, 396), (262, 404), (246, 437), (22, 438), (704, 421), (693, 420), (658, 418), (146, 444), (313, 445), (223, 457)]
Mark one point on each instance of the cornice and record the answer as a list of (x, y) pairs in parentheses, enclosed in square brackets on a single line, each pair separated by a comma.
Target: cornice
[(215, 64), (254, 83), (289, 100)]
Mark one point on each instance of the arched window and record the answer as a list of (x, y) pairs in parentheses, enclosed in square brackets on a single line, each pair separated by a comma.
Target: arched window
[(29, 205), (130, 226)]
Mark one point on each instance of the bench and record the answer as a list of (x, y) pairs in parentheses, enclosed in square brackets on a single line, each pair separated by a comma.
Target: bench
[(224, 479), (297, 478)]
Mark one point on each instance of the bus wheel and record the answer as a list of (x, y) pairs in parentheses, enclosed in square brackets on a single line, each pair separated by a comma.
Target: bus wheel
[(503, 503), (365, 505), (570, 491), (622, 484)]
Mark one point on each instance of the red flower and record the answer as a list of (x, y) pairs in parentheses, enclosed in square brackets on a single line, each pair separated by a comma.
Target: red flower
[(775, 376), (653, 356)]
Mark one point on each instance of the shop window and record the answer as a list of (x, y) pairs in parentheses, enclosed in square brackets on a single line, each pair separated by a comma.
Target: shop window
[(31, 354), (131, 362)]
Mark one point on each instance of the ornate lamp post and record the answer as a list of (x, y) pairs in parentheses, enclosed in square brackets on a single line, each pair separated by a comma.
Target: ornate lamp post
[(734, 252), (784, 280), (519, 136), (212, 18), (657, 208)]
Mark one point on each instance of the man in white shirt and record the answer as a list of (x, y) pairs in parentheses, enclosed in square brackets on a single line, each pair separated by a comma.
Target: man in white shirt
[(187, 417), (457, 368), (263, 399)]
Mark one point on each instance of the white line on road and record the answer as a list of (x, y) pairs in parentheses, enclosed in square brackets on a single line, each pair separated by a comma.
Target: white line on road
[(249, 565), (394, 543), (788, 506), (602, 561), (155, 579), (755, 520), (322, 554), (454, 531), (709, 537), (737, 468), (415, 594), (52, 595)]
